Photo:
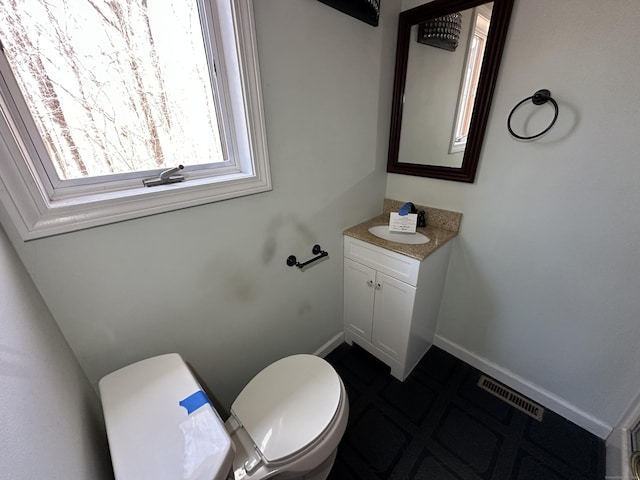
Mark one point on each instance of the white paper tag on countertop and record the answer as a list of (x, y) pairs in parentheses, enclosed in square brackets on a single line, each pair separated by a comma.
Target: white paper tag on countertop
[(406, 223)]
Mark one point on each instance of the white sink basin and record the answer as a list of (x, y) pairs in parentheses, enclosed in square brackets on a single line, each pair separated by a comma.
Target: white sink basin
[(382, 231)]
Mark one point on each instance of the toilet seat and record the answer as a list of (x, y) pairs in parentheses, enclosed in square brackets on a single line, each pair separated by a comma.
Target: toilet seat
[(288, 405)]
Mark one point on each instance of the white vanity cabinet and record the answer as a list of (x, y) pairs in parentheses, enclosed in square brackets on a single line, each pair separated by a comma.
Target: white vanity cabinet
[(391, 302)]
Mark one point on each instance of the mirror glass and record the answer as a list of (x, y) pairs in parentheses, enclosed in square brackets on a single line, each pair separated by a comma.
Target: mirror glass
[(443, 86), (443, 81)]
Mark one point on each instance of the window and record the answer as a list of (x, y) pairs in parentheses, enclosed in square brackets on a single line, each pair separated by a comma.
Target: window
[(481, 19), (97, 96)]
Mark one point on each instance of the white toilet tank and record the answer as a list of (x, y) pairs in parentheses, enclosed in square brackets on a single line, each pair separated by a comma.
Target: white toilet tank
[(161, 425)]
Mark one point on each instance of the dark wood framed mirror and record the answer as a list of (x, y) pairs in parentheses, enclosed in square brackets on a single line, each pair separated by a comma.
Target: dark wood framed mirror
[(423, 103)]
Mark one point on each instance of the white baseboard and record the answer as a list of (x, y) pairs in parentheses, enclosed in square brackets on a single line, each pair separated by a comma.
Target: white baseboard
[(523, 386), (331, 345)]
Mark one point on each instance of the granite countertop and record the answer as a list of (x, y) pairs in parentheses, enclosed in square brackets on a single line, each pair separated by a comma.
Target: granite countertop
[(442, 226)]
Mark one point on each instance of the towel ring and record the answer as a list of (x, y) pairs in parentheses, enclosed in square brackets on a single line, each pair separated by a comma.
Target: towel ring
[(539, 98)]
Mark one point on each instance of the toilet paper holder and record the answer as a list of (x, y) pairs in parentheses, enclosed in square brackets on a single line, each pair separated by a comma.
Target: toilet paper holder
[(316, 250)]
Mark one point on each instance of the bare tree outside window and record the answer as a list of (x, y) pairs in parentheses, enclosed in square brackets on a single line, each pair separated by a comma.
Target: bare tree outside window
[(114, 86)]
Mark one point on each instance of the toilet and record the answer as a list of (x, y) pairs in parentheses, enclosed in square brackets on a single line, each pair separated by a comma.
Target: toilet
[(285, 424)]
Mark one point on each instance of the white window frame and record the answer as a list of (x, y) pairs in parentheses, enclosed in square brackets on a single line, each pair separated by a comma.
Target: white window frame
[(39, 210), (456, 145)]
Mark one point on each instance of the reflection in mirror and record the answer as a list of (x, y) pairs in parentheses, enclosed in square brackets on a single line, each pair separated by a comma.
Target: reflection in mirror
[(442, 95), (438, 79), (479, 27)]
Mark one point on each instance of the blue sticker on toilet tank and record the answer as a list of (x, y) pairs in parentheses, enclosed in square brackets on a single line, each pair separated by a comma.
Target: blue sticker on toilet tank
[(194, 401)]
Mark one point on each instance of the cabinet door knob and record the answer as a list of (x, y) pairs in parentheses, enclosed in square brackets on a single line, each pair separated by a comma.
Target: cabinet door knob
[(370, 283), (378, 286)]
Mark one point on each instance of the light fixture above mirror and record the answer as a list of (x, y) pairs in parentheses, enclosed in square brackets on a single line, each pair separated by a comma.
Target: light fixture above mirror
[(442, 32), (442, 97)]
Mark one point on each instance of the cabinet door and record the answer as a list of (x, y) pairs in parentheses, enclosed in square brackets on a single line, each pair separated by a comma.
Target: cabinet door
[(392, 314), (358, 298)]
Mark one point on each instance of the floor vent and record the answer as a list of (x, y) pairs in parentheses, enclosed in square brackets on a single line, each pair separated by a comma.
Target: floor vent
[(512, 398)]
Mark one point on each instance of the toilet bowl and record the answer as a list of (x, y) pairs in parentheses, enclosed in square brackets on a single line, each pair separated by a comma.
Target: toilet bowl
[(286, 423)]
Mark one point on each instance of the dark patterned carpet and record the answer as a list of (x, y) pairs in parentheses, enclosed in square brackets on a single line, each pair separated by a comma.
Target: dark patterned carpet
[(438, 425)]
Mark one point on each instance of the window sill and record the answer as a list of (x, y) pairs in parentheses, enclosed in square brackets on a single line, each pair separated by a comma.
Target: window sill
[(36, 218)]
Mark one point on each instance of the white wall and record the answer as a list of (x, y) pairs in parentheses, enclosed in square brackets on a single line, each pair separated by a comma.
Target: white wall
[(544, 280), (51, 421), (211, 282)]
